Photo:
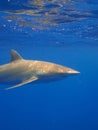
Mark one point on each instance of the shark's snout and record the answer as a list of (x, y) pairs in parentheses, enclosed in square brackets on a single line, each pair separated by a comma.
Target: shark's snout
[(73, 72), (66, 71)]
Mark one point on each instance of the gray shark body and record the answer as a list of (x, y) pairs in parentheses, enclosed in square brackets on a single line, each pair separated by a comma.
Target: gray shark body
[(20, 71)]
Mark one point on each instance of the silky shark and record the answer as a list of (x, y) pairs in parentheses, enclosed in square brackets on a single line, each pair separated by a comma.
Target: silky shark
[(20, 71)]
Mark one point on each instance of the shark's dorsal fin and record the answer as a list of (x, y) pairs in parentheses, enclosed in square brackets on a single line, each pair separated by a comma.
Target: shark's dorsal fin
[(15, 56)]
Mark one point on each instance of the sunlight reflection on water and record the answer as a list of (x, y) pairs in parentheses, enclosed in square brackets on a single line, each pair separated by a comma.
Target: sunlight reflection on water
[(67, 16)]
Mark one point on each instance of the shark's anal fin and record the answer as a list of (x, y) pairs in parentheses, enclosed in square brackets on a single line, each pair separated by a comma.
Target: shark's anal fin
[(23, 83)]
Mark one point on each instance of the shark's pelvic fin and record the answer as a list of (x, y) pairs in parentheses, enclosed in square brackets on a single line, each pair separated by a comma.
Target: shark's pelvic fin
[(15, 55), (23, 83)]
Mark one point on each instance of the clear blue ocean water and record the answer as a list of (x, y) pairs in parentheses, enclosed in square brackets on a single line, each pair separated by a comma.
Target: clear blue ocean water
[(64, 32)]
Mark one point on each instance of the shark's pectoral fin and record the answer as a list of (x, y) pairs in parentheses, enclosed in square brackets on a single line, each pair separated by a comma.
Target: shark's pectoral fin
[(23, 83)]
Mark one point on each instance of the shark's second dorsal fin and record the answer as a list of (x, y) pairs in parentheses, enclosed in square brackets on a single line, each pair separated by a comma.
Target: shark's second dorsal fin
[(15, 56)]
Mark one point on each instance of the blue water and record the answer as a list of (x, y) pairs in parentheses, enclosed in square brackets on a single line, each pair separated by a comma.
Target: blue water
[(64, 32)]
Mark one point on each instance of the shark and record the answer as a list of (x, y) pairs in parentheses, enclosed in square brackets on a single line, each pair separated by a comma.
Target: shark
[(20, 71)]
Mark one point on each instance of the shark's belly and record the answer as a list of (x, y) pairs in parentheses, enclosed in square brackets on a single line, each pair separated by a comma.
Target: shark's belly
[(13, 77)]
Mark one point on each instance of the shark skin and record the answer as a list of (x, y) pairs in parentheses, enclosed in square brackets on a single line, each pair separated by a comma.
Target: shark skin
[(20, 71)]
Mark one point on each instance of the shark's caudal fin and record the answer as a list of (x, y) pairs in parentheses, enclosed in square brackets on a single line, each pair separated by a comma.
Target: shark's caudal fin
[(15, 56)]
